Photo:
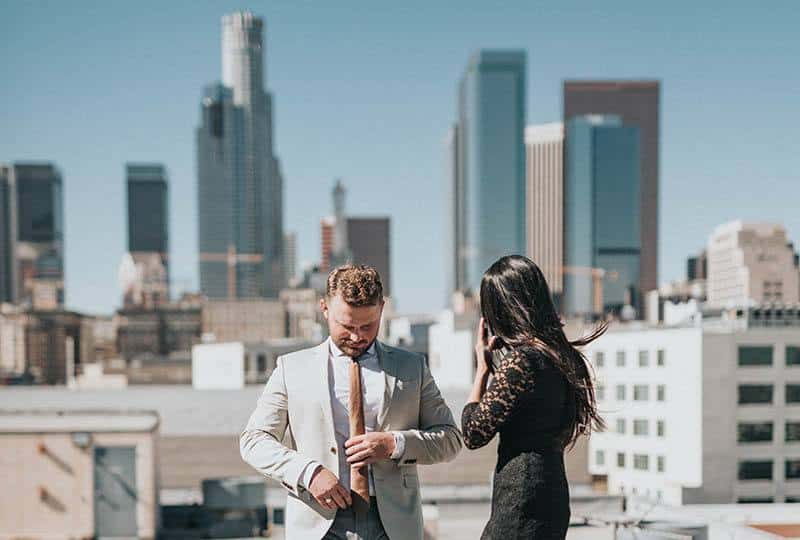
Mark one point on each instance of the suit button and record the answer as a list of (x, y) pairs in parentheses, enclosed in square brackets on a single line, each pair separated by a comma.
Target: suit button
[(333, 449)]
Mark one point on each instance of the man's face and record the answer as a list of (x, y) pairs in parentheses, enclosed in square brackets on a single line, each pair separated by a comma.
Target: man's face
[(352, 329)]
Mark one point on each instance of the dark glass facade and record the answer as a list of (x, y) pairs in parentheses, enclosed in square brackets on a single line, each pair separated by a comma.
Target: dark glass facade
[(8, 228), (601, 214), (369, 243), (636, 103), (489, 168), (148, 208)]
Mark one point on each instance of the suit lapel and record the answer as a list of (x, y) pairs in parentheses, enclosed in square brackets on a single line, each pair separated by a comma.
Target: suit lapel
[(322, 366), (388, 363)]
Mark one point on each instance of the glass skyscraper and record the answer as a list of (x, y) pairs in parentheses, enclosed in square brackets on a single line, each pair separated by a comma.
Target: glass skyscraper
[(240, 204), (487, 164), (637, 104), (602, 214), (148, 217), (8, 234), (40, 234)]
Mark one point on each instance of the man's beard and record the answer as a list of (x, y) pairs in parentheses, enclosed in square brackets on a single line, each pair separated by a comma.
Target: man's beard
[(351, 350)]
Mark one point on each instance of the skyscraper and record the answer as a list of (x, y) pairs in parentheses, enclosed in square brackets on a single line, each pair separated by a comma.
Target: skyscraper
[(637, 104), (369, 243), (290, 257), (40, 235), (8, 234), (148, 223), (601, 216), (240, 186), (488, 175), (544, 170)]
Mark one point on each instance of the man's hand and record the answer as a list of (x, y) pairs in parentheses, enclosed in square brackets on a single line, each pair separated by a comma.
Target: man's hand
[(327, 490), (364, 449)]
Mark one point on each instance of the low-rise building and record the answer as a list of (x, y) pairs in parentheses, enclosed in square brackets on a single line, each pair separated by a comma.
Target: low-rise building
[(701, 413), (78, 474)]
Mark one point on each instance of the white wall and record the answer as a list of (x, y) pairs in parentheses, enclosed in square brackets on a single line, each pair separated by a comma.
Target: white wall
[(451, 355)]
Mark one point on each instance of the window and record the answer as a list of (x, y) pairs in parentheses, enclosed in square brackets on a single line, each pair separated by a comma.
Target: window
[(261, 362), (601, 392), (792, 471), (644, 359), (620, 392), (792, 431), (755, 356), (599, 359), (793, 355), (621, 426), (790, 499), (755, 432), (640, 426), (793, 393), (661, 390), (755, 500), (620, 358), (755, 470), (750, 394), (660, 463), (600, 457), (661, 358), (661, 428), (620, 460), (641, 462), (641, 392)]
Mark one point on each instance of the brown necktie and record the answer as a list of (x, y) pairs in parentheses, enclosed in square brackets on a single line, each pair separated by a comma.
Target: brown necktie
[(359, 481)]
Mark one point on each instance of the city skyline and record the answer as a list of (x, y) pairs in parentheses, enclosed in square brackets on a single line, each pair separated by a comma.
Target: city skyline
[(389, 130)]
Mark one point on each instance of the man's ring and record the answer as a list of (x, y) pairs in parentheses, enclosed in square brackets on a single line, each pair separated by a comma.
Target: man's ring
[(328, 500)]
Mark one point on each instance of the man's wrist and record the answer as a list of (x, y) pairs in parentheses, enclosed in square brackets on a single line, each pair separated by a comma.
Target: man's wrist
[(399, 445)]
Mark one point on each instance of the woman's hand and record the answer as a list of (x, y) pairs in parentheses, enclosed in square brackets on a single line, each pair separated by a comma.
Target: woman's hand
[(484, 345)]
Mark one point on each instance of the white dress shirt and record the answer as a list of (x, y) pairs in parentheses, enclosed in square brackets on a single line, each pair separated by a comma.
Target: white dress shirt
[(373, 386)]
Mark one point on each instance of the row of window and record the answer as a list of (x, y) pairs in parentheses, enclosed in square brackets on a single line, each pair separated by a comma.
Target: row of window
[(641, 392), (643, 356), (766, 500), (641, 427), (756, 432), (762, 469), (754, 394), (641, 462), (762, 355)]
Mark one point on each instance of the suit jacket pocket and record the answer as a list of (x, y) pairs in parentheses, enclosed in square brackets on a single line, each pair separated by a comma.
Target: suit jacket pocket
[(410, 480)]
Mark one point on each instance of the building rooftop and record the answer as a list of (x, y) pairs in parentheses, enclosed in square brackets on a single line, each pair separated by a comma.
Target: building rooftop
[(59, 421)]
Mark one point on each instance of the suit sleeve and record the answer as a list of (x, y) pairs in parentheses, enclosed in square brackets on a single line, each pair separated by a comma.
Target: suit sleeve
[(260, 442), (438, 438)]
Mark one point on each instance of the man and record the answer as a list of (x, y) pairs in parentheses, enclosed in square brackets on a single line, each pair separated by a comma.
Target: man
[(360, 417)]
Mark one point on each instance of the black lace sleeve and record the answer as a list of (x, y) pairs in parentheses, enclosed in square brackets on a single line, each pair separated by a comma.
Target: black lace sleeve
[(481, 420)]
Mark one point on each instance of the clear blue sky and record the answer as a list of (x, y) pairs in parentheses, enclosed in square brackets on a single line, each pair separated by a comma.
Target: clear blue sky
[(367, 90)]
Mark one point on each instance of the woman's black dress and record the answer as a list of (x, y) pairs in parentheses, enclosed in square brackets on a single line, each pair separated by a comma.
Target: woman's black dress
[(527, 404)]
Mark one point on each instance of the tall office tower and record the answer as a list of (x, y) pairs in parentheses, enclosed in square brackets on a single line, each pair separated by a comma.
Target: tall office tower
[(8, 234), (148, 228), (290, 257), (697, 267), (637, 104), (327, 228), (240, 187), (544, 209), (340, 221), (451, 242), (488, 178), (751, 263), (369, 243), (601, 216), (40, 235)]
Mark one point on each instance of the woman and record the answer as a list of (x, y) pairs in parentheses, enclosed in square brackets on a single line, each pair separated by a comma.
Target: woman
[(540, 400)]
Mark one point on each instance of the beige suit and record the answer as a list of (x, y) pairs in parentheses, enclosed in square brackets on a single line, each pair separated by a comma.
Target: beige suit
[(297, 398)]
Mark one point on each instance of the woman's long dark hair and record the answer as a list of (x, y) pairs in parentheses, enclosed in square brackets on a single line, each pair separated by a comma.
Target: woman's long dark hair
[(516, 304)]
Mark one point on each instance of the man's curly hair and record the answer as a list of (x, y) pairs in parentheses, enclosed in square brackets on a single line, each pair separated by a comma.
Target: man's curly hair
[(358, 285)]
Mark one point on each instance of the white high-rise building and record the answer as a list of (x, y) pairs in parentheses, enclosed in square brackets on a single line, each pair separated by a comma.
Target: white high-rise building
[(751, 263), (702, 413), (544, 207)]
